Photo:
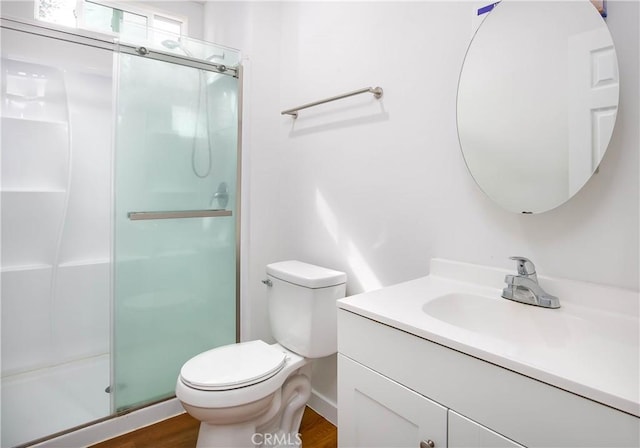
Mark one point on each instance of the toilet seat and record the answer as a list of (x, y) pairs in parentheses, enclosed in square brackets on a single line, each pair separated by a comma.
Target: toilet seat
[(233, 366), (240, 395)]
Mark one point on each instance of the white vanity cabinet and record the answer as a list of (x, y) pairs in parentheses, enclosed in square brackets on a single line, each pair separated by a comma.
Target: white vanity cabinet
[(396, 389)]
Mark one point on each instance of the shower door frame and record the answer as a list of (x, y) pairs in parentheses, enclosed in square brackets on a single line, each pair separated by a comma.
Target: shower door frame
[(144, 52), (101, 41)]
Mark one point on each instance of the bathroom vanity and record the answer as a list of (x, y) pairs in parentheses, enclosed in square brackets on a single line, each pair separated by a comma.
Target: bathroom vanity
[(445, 361)]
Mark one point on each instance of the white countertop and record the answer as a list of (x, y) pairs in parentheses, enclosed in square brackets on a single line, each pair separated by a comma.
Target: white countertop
[(590, 346)]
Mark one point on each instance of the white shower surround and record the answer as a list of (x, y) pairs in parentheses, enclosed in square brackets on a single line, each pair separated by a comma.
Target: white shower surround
[(54, 399), (56, 234)]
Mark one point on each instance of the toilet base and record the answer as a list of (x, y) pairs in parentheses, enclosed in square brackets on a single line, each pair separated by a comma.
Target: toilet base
[(277, 426), (237, 435)]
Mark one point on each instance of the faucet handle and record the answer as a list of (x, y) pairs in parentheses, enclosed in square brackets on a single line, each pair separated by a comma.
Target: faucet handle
[(524, 265)]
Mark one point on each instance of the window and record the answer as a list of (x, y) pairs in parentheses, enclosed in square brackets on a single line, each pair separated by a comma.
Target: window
[(98, 17), (111, 18), (167, 24), (57, 11)]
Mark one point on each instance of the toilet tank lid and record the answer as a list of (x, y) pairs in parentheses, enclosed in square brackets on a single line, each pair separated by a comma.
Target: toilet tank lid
[(304, 274)]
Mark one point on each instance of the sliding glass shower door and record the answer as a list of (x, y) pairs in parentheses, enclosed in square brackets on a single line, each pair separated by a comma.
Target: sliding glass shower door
[(175, 220)]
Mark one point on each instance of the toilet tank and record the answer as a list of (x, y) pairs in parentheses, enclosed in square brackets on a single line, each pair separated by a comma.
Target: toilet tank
[(302, 306)]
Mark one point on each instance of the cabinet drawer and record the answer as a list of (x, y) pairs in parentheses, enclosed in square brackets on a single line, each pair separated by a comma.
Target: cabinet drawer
[(465, 433), (378, 412)]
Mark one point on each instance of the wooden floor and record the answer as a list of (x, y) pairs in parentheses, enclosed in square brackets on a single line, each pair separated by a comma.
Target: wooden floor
[(182, 432)]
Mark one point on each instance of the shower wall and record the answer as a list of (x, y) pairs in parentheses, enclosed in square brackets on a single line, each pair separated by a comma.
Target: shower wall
[(56, 196)]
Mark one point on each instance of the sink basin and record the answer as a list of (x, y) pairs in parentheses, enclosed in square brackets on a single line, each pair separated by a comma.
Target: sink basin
[(505, 319), (478, 313), (534, 330)]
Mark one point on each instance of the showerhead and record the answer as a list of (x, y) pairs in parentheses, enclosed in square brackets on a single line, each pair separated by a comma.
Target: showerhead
[(171, 44), (215, 56)]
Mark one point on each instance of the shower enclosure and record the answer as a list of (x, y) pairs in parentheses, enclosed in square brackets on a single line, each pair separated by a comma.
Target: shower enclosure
[(119, 220)]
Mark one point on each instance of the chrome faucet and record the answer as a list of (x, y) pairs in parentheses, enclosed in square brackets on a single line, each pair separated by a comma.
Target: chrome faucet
[(524, 287)]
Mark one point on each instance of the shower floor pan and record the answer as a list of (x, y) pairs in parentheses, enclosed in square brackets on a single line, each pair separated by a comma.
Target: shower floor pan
[(46, 401)]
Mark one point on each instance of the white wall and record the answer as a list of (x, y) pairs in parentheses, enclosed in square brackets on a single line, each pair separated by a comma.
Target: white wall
[(378, 188)]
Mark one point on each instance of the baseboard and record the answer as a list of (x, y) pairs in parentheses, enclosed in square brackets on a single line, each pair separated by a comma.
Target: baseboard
[(116, 426), (324, 406)]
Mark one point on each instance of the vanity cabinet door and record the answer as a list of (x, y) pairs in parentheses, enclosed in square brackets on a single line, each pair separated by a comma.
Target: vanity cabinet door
[(378, 412), (464, 433)]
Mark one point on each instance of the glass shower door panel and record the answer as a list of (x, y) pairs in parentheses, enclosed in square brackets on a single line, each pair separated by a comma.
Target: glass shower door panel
[(175, 279)]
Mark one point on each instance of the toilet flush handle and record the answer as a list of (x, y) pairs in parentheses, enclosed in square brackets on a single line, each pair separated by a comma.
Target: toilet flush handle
[(267, 282)]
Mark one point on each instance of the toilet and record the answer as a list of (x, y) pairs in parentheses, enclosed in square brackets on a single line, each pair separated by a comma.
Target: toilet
[(253, 394)]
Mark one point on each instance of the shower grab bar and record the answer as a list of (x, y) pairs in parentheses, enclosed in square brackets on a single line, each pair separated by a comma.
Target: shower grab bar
[(377, 92), (179, 214)]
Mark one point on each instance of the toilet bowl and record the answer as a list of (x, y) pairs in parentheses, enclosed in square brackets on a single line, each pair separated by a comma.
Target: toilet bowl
[(234, 404), (252, 393)]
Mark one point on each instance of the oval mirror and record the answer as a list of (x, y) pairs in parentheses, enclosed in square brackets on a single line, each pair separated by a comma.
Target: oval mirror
[(537, 101)]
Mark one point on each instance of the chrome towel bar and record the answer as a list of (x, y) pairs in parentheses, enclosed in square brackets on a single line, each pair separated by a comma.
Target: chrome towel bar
[(179, 214), (377, 92)]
